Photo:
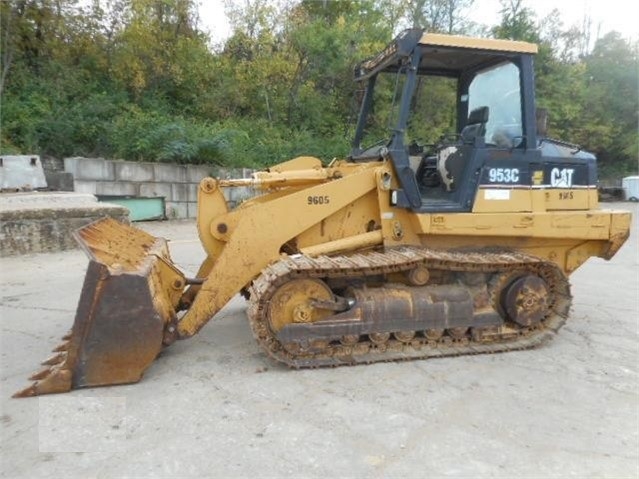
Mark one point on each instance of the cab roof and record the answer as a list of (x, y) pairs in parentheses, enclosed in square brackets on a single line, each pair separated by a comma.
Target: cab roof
[(489, 44), (443, 55)]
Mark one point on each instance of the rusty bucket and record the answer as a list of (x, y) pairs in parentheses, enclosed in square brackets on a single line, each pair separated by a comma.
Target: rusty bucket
[(128, 301)]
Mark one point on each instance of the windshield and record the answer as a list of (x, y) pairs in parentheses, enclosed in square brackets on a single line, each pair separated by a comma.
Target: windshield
[(498, 89), (432, 111), (383, 112)]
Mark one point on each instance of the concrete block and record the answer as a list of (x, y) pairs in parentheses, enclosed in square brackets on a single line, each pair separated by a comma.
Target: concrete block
[(169, 173), (156, 189), (191, 210), (44, 222), (237, 195), (179, 192), (116, 188), (71, 165), (194, 173), (45, 200), (84, 186), (21, 172), (230, 173), (90, 168), (59, 180), (51, 164), (176, 211), (132, 171), (192, 190)]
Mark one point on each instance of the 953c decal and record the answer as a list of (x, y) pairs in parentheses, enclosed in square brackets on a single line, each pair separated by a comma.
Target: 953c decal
[(503, 175)]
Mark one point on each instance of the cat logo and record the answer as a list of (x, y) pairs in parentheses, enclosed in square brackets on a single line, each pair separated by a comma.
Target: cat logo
[(561, 178)]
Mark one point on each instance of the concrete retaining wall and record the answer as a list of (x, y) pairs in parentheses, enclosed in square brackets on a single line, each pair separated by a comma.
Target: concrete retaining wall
[(44, 222), (21, 173), (57, 178), (176, 183)]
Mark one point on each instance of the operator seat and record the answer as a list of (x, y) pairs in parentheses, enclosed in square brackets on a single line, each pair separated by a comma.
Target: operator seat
[(451, 160), (475, 129)]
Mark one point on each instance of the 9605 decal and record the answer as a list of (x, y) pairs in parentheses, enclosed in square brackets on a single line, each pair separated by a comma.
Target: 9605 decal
[(318, 200)]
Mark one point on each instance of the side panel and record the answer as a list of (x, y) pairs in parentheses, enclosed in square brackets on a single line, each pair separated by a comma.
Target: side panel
[(566, 238), (524, 184), (356, 218), (593, 225)]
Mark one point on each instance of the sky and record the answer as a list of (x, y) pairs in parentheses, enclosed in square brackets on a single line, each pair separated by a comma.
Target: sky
[(609, 15)]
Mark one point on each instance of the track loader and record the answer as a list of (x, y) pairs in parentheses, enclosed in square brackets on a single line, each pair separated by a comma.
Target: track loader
[(400, 251)]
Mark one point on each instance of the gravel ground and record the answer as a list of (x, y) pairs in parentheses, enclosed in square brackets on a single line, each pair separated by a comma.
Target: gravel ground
[(215, 406)]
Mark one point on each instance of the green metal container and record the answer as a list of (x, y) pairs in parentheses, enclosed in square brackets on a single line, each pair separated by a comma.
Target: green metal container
[(140, 208)]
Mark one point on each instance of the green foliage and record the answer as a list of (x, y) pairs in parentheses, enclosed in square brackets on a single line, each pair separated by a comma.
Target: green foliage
[(259, 144), (517, 22), (138, 80), (141, 135)]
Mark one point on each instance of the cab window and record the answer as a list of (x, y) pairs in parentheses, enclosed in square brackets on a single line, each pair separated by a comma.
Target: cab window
[(498, 89)]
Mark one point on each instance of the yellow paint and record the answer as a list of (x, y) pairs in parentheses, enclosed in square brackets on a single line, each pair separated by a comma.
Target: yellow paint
[(570, 199), (299, 163), (502, 200), (457, 41), (354, 219), (492, 200), (350, 243), (581, 225)]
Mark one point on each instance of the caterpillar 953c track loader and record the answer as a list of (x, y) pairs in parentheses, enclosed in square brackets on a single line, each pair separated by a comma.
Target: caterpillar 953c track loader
[(399, 251)]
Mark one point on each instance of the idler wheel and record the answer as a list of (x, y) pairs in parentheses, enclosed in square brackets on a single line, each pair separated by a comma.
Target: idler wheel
[(292, 303), (526, 300)]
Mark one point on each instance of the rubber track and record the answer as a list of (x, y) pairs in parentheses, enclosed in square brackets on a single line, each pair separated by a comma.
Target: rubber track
[(499, 264)]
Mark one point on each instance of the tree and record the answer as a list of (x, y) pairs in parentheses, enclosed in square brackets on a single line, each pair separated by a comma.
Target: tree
[(517, 22), (612, 76), (137, 78)]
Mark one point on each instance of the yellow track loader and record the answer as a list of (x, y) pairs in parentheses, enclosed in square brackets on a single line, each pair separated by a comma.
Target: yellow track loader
[(399, 251)]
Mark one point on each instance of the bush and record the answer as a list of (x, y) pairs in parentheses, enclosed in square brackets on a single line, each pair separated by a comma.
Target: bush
[(259, 144), (152, 136)]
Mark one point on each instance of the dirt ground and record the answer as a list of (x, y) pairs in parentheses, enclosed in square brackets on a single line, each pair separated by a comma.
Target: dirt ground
[(215, 406)]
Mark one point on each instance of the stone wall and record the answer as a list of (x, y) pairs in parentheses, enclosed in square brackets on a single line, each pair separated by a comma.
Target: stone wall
[(178, 184)]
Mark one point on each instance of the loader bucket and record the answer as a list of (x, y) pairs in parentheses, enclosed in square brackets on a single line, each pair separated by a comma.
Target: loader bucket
[(130, 293)]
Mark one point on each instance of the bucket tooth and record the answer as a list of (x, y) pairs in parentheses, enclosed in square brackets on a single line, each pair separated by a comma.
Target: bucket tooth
[(54, 381), (43, 373), (55, 359), (61, 348), (26, 392)]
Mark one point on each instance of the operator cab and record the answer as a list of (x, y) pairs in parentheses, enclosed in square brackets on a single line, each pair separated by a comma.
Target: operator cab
[(456, 103)]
